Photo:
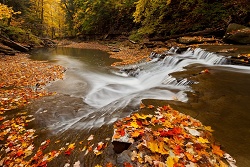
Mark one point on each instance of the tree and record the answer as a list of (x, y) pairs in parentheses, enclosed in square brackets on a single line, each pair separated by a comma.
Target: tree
[(6, 13), (69, 9)]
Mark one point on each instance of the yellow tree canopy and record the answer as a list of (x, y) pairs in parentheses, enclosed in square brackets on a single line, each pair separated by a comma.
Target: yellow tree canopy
[(6, 12)]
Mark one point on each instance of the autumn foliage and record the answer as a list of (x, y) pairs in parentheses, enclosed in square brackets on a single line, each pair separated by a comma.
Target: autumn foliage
[(22, 80), (168, 138)]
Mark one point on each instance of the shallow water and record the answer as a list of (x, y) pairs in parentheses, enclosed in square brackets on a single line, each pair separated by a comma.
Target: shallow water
[(93, 95)]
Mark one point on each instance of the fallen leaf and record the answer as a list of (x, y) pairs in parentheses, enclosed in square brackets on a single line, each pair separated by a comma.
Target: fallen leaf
[(217, 150), (171, 161), (151, 106), (126, 164), (91, 137), (109, 164), (142, 106), (202, 140), (77, 164)]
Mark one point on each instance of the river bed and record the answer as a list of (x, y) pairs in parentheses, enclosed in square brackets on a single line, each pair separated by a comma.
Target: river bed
[(92, 96)]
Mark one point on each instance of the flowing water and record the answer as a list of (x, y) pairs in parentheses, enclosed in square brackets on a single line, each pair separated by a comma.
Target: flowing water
[(93, 95)]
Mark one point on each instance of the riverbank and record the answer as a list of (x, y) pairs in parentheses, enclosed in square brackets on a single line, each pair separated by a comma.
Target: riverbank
[(128, 52), (23, 80)]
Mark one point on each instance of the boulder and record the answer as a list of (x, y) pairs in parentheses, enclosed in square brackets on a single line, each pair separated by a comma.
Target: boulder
[(237, 34)]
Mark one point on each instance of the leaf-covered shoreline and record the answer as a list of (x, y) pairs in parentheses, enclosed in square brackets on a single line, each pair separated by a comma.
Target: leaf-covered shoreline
[(23, 79), (169, 138)]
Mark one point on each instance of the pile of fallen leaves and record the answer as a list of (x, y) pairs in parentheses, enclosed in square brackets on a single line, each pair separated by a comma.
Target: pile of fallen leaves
[(18, 149), (169, 138), (22, 79)]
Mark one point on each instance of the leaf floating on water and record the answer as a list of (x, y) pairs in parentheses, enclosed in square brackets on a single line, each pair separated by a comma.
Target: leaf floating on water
[(91, 137), (67, 165), (142, 106), (206, 71), (77, 164), (126, 164), (151, 106), (109, 164), (98, 166)]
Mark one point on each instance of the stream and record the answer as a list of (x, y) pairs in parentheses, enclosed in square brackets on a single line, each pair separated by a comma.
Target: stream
[(93, 95)]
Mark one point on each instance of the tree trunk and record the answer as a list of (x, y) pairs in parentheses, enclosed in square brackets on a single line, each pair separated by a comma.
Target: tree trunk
[(13, 44)]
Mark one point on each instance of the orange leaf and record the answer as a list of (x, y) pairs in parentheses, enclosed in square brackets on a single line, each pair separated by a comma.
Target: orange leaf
[(116, 136), (166, 108), (217, 150), (142, 106), (68, 152), (109, 164), (190, 157), (151, 106), (126, 164), (19, 153), (100, 146), (135, 134)]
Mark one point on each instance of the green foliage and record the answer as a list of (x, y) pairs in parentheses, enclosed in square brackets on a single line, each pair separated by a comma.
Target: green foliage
[(150, 14), (180, 16), (20, 35), (136, 36), (103, 16)]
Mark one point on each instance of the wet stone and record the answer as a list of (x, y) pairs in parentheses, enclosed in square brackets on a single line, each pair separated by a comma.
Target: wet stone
[(119, 147)]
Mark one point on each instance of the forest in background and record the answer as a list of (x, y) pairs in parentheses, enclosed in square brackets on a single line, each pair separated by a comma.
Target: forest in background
[(134, 18)]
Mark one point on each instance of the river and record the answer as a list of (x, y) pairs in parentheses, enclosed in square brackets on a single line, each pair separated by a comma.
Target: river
[(93, 95)]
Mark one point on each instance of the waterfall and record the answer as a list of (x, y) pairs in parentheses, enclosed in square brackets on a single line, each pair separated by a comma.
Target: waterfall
[(150, 76)]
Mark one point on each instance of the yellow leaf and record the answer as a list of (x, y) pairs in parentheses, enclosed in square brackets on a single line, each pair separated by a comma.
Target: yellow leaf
[(72, 146), (222, 164), (158, 147), (135, 134), (153, 146), (170, 161), (162, 148), (202, 140), (142, 116), (98, 166), (134, 124), (167, 124), (208, 128)]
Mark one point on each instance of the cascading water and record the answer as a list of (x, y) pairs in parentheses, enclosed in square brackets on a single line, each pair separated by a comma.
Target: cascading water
[(105, 93), (151, 81)]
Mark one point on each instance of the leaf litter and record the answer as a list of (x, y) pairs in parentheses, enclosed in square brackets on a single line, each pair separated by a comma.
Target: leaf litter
[(169, 138), (22, 80)]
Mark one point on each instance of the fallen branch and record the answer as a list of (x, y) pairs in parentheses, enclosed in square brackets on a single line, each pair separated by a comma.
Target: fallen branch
[(6, 41), (208, 31)]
